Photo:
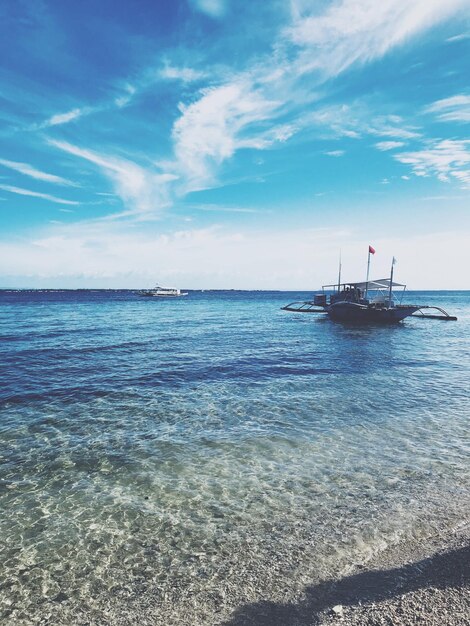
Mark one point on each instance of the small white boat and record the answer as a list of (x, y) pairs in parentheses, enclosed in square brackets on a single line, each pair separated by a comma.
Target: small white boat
[(163, 292)]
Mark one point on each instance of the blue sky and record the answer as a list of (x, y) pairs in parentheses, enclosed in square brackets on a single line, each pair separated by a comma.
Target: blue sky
[(215, 143)]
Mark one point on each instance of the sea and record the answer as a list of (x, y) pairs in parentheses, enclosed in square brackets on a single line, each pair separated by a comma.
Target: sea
[(174, 461)]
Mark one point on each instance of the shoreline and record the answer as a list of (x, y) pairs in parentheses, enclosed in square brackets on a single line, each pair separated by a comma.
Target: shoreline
[(422, 581)]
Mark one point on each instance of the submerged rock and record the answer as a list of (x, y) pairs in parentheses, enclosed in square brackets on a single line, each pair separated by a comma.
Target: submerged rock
[(337, 610)]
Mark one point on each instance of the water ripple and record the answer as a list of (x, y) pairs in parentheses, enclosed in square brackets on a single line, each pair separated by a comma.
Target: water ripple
[(174, 459)]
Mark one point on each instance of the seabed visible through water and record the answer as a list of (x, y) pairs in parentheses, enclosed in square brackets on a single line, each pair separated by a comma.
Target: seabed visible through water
[(172, 461)]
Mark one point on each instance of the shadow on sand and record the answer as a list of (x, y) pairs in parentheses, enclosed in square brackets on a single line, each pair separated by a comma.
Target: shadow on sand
[(449, 569)]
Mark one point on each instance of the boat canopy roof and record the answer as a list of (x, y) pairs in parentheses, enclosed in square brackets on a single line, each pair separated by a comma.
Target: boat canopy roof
[(380, 283)]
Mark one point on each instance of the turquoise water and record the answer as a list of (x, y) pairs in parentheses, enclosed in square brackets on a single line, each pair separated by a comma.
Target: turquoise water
[(172, 460)]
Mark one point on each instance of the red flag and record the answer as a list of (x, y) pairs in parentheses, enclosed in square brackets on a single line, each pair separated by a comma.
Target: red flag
[(371, 250)]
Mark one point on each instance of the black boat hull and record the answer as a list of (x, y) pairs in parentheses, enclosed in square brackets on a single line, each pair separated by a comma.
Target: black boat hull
[(367, 314)]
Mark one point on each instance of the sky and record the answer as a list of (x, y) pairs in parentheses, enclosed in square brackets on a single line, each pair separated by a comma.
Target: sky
[(224, 144)]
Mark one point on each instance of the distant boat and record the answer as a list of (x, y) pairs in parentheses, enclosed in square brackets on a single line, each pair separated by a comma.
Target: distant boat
[(163, 292), (372, 301)]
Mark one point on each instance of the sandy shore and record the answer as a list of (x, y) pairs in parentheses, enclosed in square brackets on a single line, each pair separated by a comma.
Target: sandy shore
[(423, 582)]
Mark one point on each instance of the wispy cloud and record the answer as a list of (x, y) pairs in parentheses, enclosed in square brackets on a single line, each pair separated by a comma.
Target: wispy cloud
[(357, 119), (29, 170), (225, 209), (264, 104), (185, 257), (322, 44), (454, 109), (65, 118), (447, 159), (213, 8), (358, 31), (126, 98), (389, 145), (142, 190), (36, 194), (393, 131), (210, 130), (184, 74), (59, 119), (335, 153), (460, 37)]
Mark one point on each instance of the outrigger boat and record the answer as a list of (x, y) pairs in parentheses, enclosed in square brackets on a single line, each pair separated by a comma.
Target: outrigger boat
[(366, 302), (162, 292)]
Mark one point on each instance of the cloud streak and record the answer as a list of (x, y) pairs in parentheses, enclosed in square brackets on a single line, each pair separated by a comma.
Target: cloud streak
[(35, 194), (230, 116), (359, 31), (29, 170), (64, 118), (260, 107), (389, 145), (454, 109), (213, 8), (143, 191), (183, 74), (210, 130), (322, 45), (447, 159)]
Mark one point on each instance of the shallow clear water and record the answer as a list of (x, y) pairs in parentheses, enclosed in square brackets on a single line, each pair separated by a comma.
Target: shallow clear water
[(170, 460)]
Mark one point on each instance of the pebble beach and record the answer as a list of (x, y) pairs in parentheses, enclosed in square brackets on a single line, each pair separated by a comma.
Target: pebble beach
[(416, 582)]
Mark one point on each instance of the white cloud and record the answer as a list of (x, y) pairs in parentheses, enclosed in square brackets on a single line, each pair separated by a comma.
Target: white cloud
[(65, 118), (70, 116), (122, 101), (454, 109), (389, 145), (463, 176), (259, 107), (35, 194), (184, 258), (210, 130), (383, 130), (184, 74), (341, 120), (225, 209), (29, 170), (358, 31), (460, 37), (283, 132), (111, 255), (227, 118), (356, 120), (445, 159), (141, 190), (213, 8), (335, 153)]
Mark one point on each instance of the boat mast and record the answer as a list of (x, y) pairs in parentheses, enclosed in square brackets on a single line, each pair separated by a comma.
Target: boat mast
[(371, 251), (339, 273), (391, 283)]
